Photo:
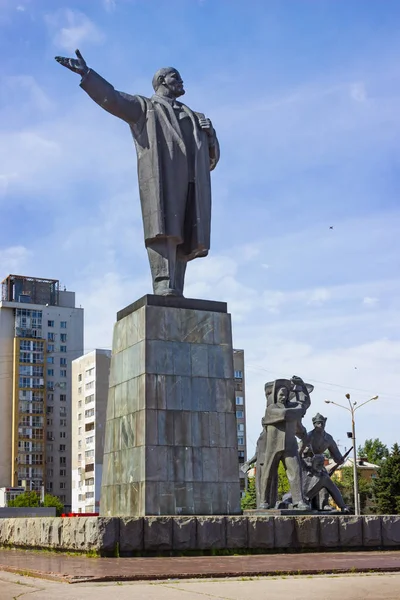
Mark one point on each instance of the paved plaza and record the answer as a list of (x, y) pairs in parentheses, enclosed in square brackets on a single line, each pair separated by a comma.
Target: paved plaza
[(383, 586)]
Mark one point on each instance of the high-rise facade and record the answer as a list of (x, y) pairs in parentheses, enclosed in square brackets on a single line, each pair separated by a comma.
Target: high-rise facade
[(41, 332), (90, 375), (240, 399)]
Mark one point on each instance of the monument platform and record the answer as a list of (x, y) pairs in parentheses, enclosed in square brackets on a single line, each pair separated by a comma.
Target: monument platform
[(170, 437), (202, 535)]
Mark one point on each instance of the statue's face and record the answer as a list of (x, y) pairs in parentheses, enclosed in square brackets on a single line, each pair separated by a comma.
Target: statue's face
[(319, 425), (282, 395), (173, 81)]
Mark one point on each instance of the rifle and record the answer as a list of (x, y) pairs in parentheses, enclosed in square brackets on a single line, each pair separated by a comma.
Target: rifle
[(333, 469)]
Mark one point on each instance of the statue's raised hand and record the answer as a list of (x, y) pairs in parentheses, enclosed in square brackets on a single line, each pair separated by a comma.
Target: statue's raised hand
[(77, 65)]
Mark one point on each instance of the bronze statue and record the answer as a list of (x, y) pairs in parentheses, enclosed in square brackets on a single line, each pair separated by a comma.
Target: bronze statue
[(316, 442), (287, 403), (176, 150), (316, 480)]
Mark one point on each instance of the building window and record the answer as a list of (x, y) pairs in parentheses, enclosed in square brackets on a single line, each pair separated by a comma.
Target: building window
[(63, 472), (240, 427), (49, 410), (63, 397), (63, 434), (62, 498), (63, 372), (50, 397), (50, 472), (80, 377), (239, 400), (89, 453), (50, 323), (62, 447), (89, 481), (79, 444), (50, 360), (90, 372), (50, 372), (240, 414), (49, 486), (89, 399), (79, 430), (79, 416), (238, 374), (63, 422), (50, 347), (89, 495), (63, 348), (63, 485), (80, 498), (63, 337), (63, 324), (62, 385), (49, 447), (79, 456), (63, 361), (89, 413), (240, 441), (51, 337), (90, 440), (63, 460), (49, 459), (49, 422), (89, 386)]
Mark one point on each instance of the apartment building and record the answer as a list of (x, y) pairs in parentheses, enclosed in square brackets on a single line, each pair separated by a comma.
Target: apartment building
[(240, 399), (41, 332), (89, 406)]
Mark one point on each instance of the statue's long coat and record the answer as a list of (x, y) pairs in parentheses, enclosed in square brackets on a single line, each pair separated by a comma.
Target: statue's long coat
[(163, 165)]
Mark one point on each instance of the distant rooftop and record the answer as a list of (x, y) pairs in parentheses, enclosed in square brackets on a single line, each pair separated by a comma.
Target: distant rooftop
[(30, 290)]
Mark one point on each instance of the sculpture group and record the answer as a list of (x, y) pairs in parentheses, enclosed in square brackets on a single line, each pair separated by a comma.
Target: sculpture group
[(304, 460)]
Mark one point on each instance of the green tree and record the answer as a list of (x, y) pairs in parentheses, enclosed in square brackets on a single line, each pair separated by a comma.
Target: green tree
[(249, 500), (387, 485), (374, 451), (283, 482), (25, 499), (54, 502), (346, 487)]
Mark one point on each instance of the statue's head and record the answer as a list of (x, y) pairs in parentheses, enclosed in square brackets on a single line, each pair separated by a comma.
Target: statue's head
[(319, 422), (282, 395), (168, 82)]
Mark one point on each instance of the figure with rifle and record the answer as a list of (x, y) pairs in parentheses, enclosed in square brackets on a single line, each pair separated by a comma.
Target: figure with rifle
[(318, 485)]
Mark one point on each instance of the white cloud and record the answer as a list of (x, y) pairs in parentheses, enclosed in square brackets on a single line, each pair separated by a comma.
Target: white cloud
[(110, 5), (368, 301), (26, 90), (358, 91), (14, 259), (70, 28)]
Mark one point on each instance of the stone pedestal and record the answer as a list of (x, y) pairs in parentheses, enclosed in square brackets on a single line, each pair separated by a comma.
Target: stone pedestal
[(170, 439)]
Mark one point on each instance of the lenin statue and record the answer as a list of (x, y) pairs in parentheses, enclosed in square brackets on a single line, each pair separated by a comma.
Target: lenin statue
[(176, 150)]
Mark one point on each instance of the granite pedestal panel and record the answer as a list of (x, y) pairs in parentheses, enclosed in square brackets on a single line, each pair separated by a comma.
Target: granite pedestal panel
[(170, 439)]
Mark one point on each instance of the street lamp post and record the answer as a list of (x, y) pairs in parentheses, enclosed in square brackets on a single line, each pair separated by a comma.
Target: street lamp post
[(352, 409)]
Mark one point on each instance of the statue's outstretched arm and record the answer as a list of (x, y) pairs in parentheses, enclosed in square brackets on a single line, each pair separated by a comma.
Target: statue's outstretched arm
[(119, 104)]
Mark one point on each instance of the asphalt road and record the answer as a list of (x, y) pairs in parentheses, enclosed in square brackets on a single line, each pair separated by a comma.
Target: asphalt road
[(313, 587)]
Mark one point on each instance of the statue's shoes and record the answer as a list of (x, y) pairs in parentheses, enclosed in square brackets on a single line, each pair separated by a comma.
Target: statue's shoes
[(301, 506)]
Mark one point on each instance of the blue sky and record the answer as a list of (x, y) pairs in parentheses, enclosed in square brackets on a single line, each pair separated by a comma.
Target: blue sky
[(304, 95)]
